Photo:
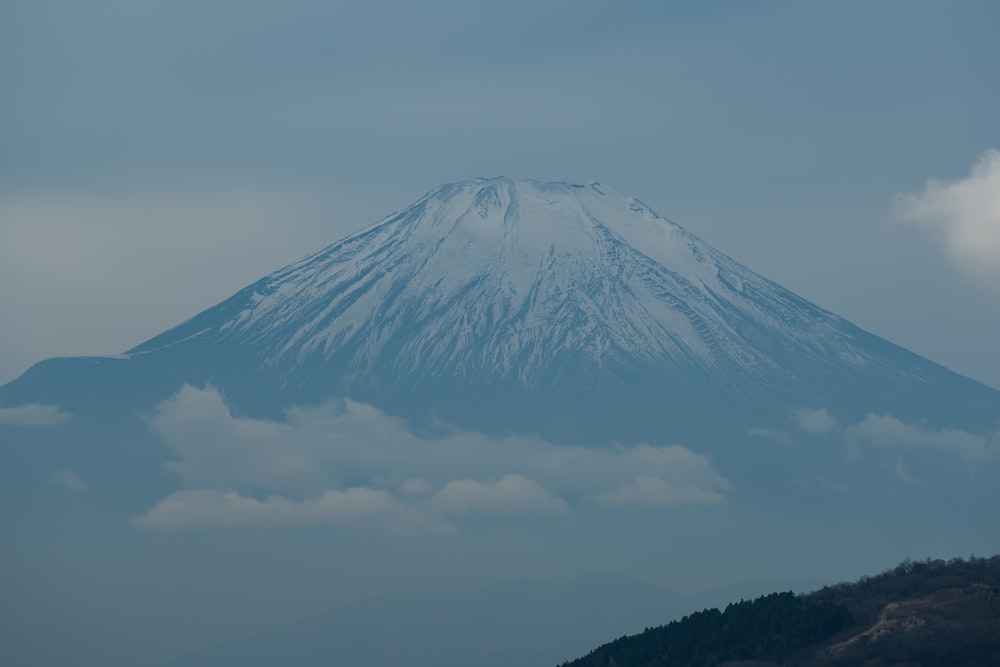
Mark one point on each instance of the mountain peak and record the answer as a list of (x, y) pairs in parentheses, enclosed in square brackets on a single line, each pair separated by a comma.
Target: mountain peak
[(468, 278), (517, 218), (528, 294)]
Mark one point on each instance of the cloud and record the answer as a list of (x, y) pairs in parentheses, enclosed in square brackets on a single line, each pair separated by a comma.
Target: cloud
[(897, 470), (817, 422), (899, 444), (665, 476), (416, 486), (215, 449), (964, 214), (809, 420), (201, 508), (67, 479), (887, 432), (643, 490), (512, 494), (772, 434), (33, 414), (347, 445)]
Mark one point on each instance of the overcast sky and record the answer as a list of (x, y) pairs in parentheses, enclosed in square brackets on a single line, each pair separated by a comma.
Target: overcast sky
[(155, 157)]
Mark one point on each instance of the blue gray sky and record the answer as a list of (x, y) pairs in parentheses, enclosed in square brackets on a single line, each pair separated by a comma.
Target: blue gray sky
[(155, 157)]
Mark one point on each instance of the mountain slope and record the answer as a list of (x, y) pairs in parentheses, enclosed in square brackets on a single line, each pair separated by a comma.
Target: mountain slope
[(503, 304)]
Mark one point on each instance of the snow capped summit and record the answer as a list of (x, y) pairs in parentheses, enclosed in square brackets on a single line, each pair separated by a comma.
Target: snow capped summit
[(517, 304), (502, 278)]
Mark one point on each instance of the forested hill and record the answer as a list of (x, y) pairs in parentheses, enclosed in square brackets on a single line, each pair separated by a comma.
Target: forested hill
[(920, 613)]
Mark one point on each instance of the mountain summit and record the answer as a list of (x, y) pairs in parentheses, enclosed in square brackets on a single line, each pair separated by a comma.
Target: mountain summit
[(511, 304), (518, 282)]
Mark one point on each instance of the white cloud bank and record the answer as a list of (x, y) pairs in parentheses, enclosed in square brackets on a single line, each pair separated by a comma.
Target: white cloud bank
[(357, 506), (644, 490), (345, 462), (887, 432), (513, 494), (33, 414), (883, 434), (965, 214), (812, 421), (817, 422)]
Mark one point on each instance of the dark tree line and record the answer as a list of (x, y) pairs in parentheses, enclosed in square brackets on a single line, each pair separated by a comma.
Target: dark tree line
[(959, 597), (768, 628), (910, 579)]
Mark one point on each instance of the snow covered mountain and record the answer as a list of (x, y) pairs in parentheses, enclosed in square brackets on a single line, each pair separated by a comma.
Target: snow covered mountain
[(507, 281), (502, 304)]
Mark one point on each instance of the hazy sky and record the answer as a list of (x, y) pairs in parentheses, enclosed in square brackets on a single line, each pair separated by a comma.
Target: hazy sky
[(155, 157)]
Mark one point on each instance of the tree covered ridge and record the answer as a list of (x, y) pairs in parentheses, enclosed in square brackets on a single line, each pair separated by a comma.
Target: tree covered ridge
[(954, 605), (770, 627), (910, 579)]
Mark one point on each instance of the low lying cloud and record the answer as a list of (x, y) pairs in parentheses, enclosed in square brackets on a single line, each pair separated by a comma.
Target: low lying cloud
[(33, 414), (897, 470), (513, 494), (964, 214), (65, 478), (415, 487), (813, 421), (773, 434), (239, 470), (817, 422), (886, 432), (895, 441), (215, 449), (655, 491), (210, 508)]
